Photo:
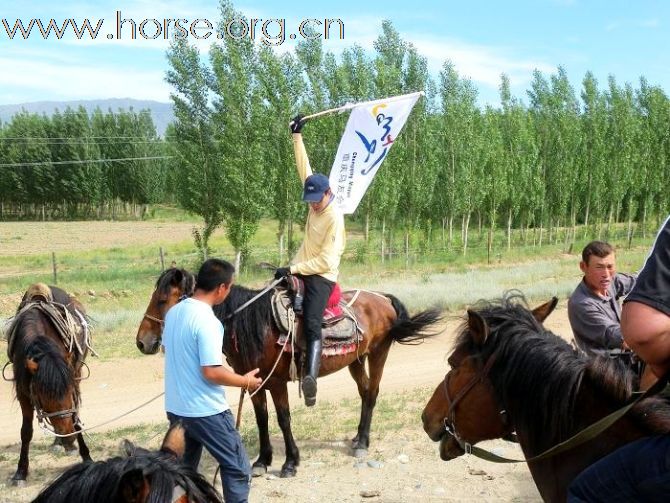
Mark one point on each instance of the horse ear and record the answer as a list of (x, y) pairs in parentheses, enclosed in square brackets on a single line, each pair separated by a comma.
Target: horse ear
[(178, 277), (478, 327), (128, 447), (175, 440), (132, 487), (542, 312)]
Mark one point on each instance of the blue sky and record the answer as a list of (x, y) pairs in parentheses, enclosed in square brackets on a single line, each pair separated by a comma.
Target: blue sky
[(483, 40)]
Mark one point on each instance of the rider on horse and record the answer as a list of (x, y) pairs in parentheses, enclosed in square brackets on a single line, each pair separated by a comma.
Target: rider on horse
[(318, 258)]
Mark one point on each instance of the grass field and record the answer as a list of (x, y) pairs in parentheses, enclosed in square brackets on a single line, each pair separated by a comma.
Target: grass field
[(112, 267)]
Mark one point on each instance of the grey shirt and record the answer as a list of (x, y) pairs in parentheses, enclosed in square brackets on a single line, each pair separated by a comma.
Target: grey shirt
[(596, 321)]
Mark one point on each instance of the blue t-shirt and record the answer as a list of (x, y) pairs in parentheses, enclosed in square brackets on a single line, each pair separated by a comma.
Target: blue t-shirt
[(193, 338)]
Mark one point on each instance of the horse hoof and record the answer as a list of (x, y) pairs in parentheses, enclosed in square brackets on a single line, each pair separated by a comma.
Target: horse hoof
[(258, 470), (18, 482), (71, 452), (287, 473), (360, 453), (57, 448)]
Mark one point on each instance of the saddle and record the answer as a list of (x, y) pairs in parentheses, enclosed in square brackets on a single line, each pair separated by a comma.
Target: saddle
[(340, 333), (71, 326)]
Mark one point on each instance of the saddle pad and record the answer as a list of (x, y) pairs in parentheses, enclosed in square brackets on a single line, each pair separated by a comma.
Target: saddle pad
[(339, 339), (339, 335)]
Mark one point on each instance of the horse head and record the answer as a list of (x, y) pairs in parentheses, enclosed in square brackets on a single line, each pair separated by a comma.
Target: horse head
[(170, 287), (138, 476), (464, 409)]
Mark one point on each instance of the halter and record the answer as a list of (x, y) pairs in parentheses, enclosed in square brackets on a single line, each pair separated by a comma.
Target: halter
[(450, 419), (588, 433), (154, 319), (44, 418)]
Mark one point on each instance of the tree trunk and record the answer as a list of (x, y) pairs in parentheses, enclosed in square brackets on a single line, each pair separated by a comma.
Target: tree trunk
[(382, 241), (407, 247), (238, 259), (509, 229), (466, 227)]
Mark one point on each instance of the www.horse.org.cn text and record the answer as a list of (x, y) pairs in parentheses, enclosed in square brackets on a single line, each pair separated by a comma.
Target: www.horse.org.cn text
[(271, 32)]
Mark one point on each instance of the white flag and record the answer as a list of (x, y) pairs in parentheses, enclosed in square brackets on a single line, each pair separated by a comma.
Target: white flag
[(372, 128)]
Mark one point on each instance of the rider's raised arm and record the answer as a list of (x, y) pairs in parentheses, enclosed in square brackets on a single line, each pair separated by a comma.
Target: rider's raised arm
[(301, 159)]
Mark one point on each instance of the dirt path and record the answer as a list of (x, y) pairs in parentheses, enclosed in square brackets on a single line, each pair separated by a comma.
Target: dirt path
[(119, 386)]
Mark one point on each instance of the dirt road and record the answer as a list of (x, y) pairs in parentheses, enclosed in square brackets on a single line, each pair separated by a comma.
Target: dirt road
[(409, 468)]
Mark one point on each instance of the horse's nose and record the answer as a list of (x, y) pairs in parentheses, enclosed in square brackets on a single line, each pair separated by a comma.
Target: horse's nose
[(140, 346)]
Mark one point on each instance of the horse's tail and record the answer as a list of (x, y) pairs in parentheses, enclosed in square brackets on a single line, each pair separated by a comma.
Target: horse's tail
[(51, 374), (414, 329)]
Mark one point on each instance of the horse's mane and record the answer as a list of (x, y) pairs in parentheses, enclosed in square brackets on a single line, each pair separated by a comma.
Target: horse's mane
[(537, 376), (246, 330), (100, 481)]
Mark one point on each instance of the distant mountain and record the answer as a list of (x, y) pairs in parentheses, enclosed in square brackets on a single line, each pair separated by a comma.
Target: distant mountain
[(160, 112)]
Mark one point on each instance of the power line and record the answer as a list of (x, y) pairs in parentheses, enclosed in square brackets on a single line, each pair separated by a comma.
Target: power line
[(71, 137), (28, 164)]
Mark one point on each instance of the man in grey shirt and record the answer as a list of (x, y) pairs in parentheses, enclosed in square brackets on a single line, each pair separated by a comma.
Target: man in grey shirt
[(593, 308)]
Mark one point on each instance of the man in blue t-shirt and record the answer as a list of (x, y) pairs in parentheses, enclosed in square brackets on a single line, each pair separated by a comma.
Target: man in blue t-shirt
[(195, 375)]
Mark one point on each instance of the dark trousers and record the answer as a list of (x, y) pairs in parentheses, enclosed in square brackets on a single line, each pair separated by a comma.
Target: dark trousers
[(317, 293), (218, 435), (639, 471)]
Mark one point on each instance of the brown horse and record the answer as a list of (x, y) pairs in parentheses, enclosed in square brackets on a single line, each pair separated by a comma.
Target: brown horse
[(508, 373), (46, 370), (138, 477), (251, 341)]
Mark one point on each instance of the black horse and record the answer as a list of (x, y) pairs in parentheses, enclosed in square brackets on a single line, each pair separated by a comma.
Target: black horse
[(47, 345), (141, 476)]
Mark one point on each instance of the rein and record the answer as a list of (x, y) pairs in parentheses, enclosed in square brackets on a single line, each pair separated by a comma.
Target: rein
[(588, 433), (254, 298)]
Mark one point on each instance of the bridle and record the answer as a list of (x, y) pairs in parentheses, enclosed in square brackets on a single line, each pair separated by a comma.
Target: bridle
[(160, 321), (450, 419), (154, 319), (586, 434), (44, 418)]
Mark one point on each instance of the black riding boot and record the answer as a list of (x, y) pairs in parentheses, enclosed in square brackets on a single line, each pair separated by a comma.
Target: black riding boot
[(313, 364)]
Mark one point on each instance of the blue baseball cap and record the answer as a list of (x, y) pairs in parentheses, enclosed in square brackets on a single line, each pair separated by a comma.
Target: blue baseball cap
[(315, 187)]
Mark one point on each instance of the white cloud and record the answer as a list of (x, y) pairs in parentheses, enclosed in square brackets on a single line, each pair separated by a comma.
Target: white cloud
[(480, 63), (48, 80)]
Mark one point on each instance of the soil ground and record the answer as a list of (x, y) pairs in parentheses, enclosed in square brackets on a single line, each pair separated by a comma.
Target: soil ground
[(403, 465)]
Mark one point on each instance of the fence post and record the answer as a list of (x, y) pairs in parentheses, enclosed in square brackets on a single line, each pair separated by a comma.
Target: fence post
[(53, 263), (162, 259)]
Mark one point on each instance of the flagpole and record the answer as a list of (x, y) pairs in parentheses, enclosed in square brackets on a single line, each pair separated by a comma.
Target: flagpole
[(349, 106)]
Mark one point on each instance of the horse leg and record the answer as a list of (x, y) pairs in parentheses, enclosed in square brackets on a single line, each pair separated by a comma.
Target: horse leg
[(357, 371), (83, 448), (280, 398), (19, 478), (260, 466), (376, 361)]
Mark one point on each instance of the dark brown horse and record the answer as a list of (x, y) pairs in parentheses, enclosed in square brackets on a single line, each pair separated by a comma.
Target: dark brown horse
[(508, 373), (251, 341), (140, 476), (46, 369)]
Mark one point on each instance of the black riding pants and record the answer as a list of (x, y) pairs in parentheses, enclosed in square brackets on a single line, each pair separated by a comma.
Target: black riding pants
[(317, 293)]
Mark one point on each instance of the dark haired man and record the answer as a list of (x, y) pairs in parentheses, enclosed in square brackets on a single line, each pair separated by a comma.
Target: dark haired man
[(318, 259), (195, 375), (593, 308), (639, 471)]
